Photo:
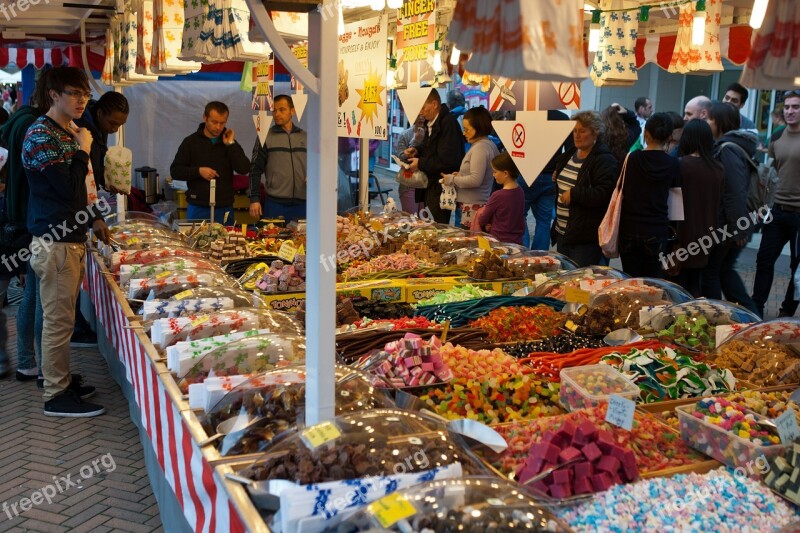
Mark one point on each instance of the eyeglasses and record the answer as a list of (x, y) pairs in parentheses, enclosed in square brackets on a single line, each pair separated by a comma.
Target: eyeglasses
[(78, 95), (794, 92)]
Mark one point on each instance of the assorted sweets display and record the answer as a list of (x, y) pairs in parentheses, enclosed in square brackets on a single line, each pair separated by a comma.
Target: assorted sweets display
[(535, 368)]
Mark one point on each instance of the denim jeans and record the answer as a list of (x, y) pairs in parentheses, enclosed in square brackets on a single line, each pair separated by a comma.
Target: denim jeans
[(29, 323), (641, 256), (540, 198), (774, 236), (200, 212), (582, 254), (274, 209), (720, 277)]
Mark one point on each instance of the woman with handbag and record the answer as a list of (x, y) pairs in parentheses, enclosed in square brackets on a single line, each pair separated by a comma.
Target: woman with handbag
[(585, 177), (644, 228), (473, 181)]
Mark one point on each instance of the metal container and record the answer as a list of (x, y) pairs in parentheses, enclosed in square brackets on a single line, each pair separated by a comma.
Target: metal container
[(149, 180)]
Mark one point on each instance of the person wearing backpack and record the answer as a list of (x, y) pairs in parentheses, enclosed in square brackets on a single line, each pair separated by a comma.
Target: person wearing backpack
[(785, 225), (733, 148)]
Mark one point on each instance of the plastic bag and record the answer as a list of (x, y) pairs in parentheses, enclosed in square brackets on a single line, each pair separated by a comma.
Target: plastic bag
[(447, 200), (415, 180)]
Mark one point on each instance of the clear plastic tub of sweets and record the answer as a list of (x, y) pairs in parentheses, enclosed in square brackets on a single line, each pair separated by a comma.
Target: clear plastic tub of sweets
[(592, 385)]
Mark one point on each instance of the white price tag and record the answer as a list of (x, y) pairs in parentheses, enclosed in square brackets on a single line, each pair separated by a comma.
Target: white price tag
[(788, 430), (620, 411)]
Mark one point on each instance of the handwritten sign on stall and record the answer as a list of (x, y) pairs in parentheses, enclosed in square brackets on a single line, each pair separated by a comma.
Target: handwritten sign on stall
[(620, 411)]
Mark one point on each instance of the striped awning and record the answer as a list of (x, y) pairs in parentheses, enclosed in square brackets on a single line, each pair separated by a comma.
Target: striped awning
[(38, 57)]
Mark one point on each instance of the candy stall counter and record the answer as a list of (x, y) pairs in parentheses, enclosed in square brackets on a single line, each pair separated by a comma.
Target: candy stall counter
[(163, 267), (765, 353)]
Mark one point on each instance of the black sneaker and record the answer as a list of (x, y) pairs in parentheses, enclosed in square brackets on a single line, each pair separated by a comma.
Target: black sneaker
[(4, 368), (83, 339), (69, 404), (84, 391), (21, 376)]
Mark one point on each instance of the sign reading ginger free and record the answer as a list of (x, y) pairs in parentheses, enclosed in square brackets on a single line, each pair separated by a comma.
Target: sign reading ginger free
[(416, 35)]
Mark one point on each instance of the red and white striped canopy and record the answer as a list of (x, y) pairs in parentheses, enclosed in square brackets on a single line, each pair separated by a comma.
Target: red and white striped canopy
[(38, 57)]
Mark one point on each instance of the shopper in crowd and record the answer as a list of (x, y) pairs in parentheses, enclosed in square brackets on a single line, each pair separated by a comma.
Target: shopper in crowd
[(621, 130), (210, 153), (102, 118), (473, 181), (281, 159), (441, 153), (778, 125), (410, 138), (540, 196), (457, 104), (503, 216), (643, 107), (5, 275), (697, 107), (736, 95), (785, 225), (701, 179), (585, 177), (55, 155), (677, 130), (29, 312), (720, 276), (644, 229)]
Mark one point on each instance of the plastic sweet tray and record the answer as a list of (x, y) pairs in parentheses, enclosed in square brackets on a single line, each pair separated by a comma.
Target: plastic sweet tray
[(720, 444), (591, 385)]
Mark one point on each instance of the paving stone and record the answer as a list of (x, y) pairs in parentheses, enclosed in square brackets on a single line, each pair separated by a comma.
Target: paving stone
[(93, 525), (130, 527), (88, 513)]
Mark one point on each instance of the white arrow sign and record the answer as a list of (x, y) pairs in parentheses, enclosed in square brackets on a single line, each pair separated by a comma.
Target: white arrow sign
[(412, 99), (531, 140), (300, 100), (262, 121)]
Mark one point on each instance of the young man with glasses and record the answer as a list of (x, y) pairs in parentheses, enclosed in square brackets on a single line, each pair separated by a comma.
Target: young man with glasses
[(785, 224), (55, 155)]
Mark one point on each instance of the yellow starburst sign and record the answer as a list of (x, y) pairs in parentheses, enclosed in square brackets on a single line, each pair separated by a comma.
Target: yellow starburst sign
[(370, 96)]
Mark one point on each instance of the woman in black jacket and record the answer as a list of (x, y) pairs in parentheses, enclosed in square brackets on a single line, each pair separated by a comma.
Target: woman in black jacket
[(733, 148), (644, 222), (585, 177)]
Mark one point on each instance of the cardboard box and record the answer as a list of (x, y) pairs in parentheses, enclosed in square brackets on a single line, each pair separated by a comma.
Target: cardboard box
[(284, 301), (424, 288), (384, 290), (502, 288)]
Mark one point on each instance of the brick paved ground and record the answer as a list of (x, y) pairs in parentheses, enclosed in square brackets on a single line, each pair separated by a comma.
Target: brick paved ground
[(116, 496)]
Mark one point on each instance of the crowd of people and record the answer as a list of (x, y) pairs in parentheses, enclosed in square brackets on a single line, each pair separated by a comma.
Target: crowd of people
[(703, 160)]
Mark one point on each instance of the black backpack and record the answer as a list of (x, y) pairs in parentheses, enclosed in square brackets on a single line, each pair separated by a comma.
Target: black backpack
[(763, 181)]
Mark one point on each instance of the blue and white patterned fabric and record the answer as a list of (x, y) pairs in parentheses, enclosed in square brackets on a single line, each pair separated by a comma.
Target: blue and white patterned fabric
[(615, 60)]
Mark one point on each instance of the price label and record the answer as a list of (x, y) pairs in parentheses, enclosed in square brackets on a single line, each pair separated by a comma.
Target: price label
[(183, 294), (572, 326), (391, 509), (376, 225), (620, 411), (301, 251), (200, 320), (244, 230), (164, 275), (787, 426), (316, 436), (483, 243), (134, 240), (577, 295), (287, 251)]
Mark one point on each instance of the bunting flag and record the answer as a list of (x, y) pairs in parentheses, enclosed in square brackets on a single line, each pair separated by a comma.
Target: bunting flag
[(734, 44)]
